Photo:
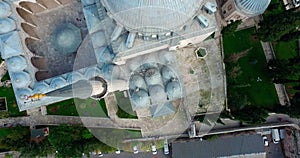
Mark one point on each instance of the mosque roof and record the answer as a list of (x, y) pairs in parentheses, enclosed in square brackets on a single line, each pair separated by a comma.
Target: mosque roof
[(40, 88), (23, 93), (174, 90), (153, 77), (20, 79), (152, 16), (16, 63), (98, 39), (10, 45), (104, 54), (58, 82), (66, 38), (92, 72), (162, 110), (137, 81), (7, 25), (167, 74), (5, 10), (157, 94), (74, 77), (252, 7), (140, 98)]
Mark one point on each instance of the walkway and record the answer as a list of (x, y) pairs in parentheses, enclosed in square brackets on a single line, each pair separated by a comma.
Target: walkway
[(280, 88)]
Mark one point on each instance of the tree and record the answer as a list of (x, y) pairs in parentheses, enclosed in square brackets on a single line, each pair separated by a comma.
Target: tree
[(17, 138), (274, 27), (251, 115), (231, 27), (41, 149)]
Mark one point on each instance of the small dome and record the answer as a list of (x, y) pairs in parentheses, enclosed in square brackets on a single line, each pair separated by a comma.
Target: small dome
[(252, 7), (92, 72), (21, 79), (174, 90), (98, 39), (40, 88), (74, 77), (105, 55), (167, 74), (137, 81), (152, 77), (7, 25), (109, 69), (140, 98), (16, 63), (5, 10), (66, 38), (58, 82), (22, 94), (167, 58), (157, 94)]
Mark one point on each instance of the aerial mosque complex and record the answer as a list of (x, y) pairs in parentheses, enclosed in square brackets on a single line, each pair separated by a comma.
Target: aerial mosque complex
[(148, 51)]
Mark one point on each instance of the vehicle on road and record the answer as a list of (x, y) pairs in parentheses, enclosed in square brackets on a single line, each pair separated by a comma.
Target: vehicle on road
[(265, 139), (135, 150), (275, 136), (153, 149), (166, 149), (100, 154)]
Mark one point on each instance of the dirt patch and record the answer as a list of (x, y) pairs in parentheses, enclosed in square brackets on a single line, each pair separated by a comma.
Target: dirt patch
[(236, 56)]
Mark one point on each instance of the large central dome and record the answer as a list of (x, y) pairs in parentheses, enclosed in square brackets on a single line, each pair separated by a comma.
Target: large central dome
[(252, 7), (152, 16)]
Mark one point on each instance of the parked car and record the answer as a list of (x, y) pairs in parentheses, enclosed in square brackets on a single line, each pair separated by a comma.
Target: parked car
[(166, 149), (265, 139), (135, 150), (153, 149), (118, 151), (100, 154)]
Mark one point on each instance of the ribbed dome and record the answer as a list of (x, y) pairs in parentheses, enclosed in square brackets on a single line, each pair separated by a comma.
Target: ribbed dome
[(7, 25), (16, 63), (173, 90), (252, 7), (152, 76), (58, 82), (4, 10), (140, 98), (137, 81), (21, 79), (152, 16), (40, 87)]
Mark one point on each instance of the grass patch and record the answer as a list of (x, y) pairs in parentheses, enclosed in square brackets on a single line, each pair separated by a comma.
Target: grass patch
[(243, 75), (12, 106), (124, 106), (201, 52), (286, 50), (88, 107), (5, 77)]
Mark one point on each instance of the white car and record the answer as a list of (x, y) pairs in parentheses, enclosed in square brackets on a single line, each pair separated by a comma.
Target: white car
[(100, 154), (135, 150), (118, 151), (153, 149), (166, 149), (265, 139)]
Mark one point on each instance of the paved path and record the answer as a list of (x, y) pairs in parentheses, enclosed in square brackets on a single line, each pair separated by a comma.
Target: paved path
[(280, 88)]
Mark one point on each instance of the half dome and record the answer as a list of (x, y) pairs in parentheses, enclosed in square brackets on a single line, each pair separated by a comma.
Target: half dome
[(173, 90), (7, 25), (5, 10), (153, 77), (40, 88), (58, 82), (137, 81), (21, 79), (140, 98)]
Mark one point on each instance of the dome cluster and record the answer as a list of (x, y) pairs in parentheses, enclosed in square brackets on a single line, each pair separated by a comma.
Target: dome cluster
[(154, 86)]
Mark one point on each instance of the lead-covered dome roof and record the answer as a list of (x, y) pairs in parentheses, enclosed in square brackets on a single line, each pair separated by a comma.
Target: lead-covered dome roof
[(153, 16), (5, 10), (252, 7)]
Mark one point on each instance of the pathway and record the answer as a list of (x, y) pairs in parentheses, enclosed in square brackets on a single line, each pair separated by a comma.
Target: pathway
[(280, 88)]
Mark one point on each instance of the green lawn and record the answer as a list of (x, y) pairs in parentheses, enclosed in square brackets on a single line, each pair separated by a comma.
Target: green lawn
[(248, 68), (88, 107), (12, 106), (124, 106), (286, 50)]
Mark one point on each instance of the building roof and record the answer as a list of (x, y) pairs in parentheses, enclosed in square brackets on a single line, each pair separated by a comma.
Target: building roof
[(23, 93), (7, 25), (104, 54), (58, 82), (174, 90), (137, 81), (140, 98), (252, 7), (167, 74), (5, 10), (152, 16), (66, 38), (74, 77), (221, 147), (20, 79), (16, 63), (40, 88), (153, 76), (162, 110), (157, 94), (10, 45)]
